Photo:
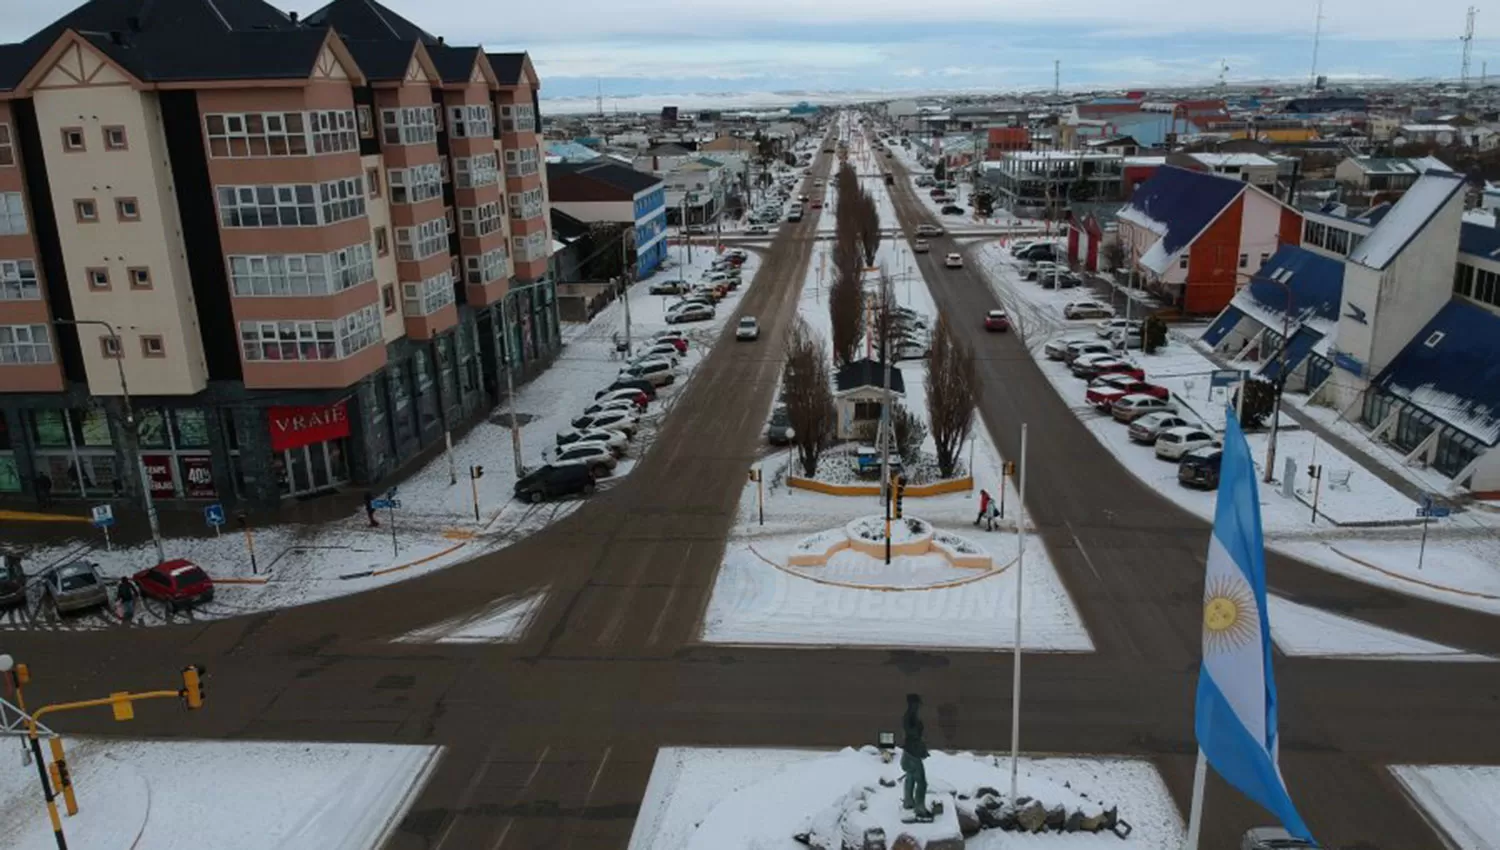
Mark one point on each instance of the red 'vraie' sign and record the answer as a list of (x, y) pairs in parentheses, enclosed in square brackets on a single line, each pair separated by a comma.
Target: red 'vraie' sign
[(293, 427)]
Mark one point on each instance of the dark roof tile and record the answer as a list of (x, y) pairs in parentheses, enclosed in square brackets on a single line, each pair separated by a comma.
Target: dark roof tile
[(602, 170), (867, 373), (367, 19), (1451, 369), (508, 67), (454, 64), (382, 60)]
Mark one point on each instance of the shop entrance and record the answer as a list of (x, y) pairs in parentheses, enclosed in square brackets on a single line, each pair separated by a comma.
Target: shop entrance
[(311, 448)]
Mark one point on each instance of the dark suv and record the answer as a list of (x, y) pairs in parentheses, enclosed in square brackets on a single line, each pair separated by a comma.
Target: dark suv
[(1200, 468), (550, 482)]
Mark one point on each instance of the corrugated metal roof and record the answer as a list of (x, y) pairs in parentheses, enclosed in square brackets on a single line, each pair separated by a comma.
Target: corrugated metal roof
[(1316, 283), (1408, 218), (1451, 370), (1178, 203)]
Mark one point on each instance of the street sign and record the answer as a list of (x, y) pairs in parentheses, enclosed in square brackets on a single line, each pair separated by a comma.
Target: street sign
[(1434, 512), (385, 504), (214, 515), (104, 516), (1226, 377)]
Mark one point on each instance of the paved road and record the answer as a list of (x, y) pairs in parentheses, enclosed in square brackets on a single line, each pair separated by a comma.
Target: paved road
[(550, 742)]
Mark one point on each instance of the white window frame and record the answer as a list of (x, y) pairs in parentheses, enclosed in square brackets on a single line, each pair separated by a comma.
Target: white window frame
[(18, 281), (427, 239), (408, 125), (423, 298), (487, 267), (24, 345), (299, 275), (470, 121), (480, 221), (415, 184), (7, 146), (13, 214), (473, 172), (303, 340)]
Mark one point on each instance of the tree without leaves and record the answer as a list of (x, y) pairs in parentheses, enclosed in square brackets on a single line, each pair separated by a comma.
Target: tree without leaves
[(807, 388), (951, 385), (909, 431)]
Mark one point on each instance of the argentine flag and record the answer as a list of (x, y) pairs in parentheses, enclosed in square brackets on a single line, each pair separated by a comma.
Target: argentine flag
[(1236, 711)]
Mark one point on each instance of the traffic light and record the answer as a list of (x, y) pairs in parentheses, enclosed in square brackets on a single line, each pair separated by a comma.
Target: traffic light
[(476, 472), (192, 686), (900, 483)]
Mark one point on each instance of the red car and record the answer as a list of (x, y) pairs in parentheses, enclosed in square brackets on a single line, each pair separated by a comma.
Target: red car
[(996, 320), (1105, 391), (180, 584), (1114, 367)]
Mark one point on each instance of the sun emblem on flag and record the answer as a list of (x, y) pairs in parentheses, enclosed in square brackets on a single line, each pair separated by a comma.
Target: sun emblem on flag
[(1229, 619)]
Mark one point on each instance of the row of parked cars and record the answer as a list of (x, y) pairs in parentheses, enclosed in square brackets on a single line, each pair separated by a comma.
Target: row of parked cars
[(1118, 387), (699, 300), (78, 586)]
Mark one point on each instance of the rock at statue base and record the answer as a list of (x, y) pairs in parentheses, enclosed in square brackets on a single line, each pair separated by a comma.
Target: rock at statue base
[(1091, 823), (986, 791), (1074, 822), (874, 839), (887, 782), (905, 841), (968, 820), (1032, 818), (1056, 818)]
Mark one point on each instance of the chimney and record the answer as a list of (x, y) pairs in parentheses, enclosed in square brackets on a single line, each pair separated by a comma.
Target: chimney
[(293, 16), (442, 39)]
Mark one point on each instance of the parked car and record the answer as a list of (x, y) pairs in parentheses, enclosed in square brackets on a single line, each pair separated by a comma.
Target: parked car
[(760, 229), (626, 404), (671, 335), (1082, 348), (1021, 245), (177, 584), (695, 230), (795, 215), (1147, 428), (1133, 407), (920, 246), (748, 330), (668, 287), (598, 457), (1057, 349), (633, 396), (613, 439), (664, 349), (1114, 366), (76, 586), (690, 313), (954, 261), (1271, 838), (551, 481), (1128, 338), (952, 209), (779, 431), (1107, 327), (1087, 366), (929, 230), (659, 372), (640, 385), (623, 421), (996, 320), (1087, 310), (1061, 280), (12, 581), (1173, 443), (1038, 251), (1200, 468), (1107, 389)]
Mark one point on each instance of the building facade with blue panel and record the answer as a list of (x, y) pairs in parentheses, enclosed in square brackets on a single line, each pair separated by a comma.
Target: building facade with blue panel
[(650, 229)]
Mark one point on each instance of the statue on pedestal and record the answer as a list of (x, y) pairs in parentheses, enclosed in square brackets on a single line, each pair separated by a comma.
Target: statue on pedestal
[(913, 751)]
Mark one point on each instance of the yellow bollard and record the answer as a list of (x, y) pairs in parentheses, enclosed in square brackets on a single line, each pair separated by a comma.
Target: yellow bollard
[(62, 777)]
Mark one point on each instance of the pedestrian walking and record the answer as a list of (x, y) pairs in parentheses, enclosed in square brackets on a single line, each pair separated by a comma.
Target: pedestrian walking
[(43, 490), (991, 515), (125, 593), (984, 506), (370, 509)]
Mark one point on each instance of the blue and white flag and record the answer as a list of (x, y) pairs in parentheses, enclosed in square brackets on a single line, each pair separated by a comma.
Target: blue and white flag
[(1236, 712)]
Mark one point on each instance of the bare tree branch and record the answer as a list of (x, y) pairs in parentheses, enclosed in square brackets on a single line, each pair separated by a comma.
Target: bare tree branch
[(951, 386), (808, 389)]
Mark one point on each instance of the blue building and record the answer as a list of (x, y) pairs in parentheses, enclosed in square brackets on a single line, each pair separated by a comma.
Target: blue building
[(606, 190)]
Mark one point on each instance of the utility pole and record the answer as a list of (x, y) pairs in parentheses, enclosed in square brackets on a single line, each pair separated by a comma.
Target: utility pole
[(626, 275), (132, 435), (1468, 39), (510, 396), (1015, 685), (1056, 77), (1312, 77)]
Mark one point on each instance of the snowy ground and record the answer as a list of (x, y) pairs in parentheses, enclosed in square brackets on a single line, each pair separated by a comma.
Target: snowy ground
[(435, 526), (504, 621), (1301, 630), (1460, 569), (756, 602), (757, 799), (187, 795), (1461, 800)]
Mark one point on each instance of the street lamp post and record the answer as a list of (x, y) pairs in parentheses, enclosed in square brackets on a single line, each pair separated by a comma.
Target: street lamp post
[(132, 437)]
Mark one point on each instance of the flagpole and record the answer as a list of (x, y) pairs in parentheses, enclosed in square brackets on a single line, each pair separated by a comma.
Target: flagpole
[(1195, 810), (1015, 697)]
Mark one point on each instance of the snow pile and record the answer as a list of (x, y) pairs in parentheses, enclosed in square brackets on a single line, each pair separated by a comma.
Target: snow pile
[(1463, 800), (1301, 630), (904, 530)]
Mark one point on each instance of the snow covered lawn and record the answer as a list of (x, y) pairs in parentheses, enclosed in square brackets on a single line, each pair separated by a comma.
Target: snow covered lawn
[(188, 795), (1301, 630), (435, 526), (757, 799), (1456, 570), (1461, 800)]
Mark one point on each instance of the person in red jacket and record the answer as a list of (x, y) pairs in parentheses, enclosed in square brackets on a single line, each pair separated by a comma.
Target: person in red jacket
[(984, 505)]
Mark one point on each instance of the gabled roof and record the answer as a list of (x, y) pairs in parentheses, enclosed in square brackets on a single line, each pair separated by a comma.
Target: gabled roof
[(1397, 165), (513, 69), (15, 61), (604, 171), (382, 60), (1451, 370), (1177, 204), (187, 19), (454, 64), (864, 373), (367, 19), (1407, 218), (1316, 283)]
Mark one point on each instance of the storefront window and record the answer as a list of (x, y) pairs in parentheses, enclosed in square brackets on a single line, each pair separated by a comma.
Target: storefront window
[(94, 428), (49, 429), (468, 344), (372, 405), (151, 424), (446, 371), (401, 412), (191, 428), (427, 405), (10, 476)]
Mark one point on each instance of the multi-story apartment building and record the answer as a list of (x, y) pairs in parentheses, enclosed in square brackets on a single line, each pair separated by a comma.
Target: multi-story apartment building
[(309, 247)]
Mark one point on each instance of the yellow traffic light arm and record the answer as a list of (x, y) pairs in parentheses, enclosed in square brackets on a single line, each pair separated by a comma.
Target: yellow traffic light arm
[(92, 703)]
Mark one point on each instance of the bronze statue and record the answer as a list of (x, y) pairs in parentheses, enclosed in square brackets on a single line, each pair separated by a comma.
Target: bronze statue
[(913, 751)]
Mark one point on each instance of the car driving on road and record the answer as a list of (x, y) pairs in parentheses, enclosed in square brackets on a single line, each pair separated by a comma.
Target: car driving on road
[(920, 246), (954, 261), (929, 230), (996, 320), (748, 330)]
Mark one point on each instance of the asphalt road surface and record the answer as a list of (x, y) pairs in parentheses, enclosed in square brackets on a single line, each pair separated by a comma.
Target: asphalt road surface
[(550, 741)]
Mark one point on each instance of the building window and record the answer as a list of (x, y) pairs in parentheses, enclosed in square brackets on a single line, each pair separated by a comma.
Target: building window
[(127, 209), (1244, 261), (526, 204), (152, 346), (298, 205), (7, 148), (388, 298), (269, 134), (473, 172), (365, 120), (114, 138), (520, 162), (486, 268), (342, 199), (416, 184), (428, 296), (1182, 263), (72, 139), (409, 125), (18, 281), (140, 277), (422, 241), (12, 214), (518, 119), (1264, 257), (109, 346), (372, 181), (281, 275), (25, 344), (382, 242), (449, 220), (311, 340), (529, 248), (482, 220), (86, 210), (473, 122), (98, 278)]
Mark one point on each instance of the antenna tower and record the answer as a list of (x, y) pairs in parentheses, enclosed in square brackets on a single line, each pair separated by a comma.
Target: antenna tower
[(1468, 39), (1056, 76), (599, 99), (1223, 72), (1312, 77)]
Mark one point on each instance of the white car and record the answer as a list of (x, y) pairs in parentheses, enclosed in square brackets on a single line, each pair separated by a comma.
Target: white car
[(1109, 327), (1057, 349), (657, 370), (1042, 270), (1087, 310), (1147, 428), (690, 312), (758, 230), (1137, 405), (954, 261), (623, 421), (625, 404), (747, 330), (661, 350), (920, 246), (1173, 443), (629, 394), (598, 457), (1080, 348), (574, 436)]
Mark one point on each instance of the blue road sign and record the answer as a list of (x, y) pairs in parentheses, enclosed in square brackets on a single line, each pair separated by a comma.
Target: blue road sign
[(103, 516), (214, 515), (1434, 512), (385, 504)]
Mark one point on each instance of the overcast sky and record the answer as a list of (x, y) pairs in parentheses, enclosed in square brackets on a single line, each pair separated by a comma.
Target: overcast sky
[(683, 47)]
